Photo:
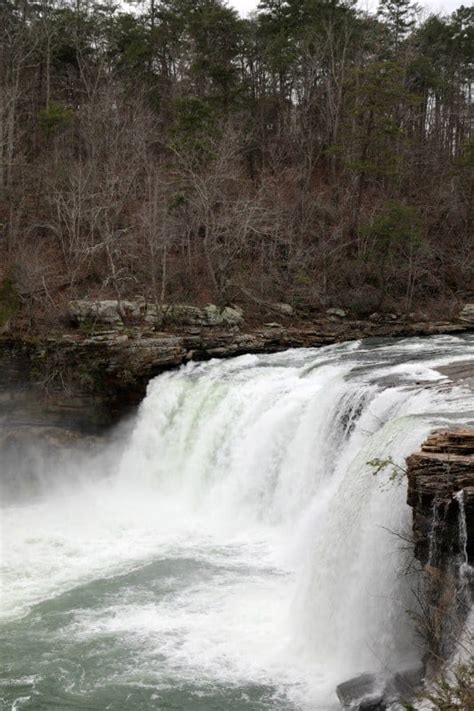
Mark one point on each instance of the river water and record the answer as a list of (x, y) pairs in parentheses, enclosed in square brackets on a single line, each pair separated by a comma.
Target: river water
[(232, 547)]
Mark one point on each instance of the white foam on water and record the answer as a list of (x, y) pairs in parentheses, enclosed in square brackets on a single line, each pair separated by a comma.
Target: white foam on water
[(255, 471)]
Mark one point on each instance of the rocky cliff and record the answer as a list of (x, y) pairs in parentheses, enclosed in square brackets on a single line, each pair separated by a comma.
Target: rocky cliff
[(89, 381), (441, 493)]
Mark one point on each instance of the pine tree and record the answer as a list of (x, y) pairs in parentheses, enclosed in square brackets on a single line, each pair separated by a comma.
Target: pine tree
[(399, 17)]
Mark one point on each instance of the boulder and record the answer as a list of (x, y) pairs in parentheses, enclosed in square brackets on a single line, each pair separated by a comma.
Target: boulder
[(369, 692), (361, 692), (339, 313), (184, 315), (228, 316), (467, 313), (82, 311)]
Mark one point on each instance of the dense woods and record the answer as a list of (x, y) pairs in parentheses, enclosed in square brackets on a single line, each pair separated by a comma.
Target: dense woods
[(312, 154)]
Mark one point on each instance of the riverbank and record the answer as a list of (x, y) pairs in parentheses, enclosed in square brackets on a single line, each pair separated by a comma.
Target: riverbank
[(90, 381)]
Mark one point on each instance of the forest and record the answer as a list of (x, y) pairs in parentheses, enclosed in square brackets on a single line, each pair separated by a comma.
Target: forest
[(312, 153)]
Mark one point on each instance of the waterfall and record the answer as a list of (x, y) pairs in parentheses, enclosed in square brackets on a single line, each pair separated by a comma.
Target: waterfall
[(466, 571), (237, 545)]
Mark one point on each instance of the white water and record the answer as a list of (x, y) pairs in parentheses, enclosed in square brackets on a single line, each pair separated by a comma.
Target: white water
[(240, 540)]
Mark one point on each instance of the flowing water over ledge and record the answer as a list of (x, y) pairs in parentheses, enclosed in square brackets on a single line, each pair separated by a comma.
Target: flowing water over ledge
[(235, 550)]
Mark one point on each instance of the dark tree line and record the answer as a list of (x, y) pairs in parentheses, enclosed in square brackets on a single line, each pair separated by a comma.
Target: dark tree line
[(311, 153)]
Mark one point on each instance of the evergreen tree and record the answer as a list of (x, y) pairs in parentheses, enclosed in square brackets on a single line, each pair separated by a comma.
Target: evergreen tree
[(399, 17)]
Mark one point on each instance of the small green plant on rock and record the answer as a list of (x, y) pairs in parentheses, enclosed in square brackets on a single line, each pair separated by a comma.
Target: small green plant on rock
[(396, 472)]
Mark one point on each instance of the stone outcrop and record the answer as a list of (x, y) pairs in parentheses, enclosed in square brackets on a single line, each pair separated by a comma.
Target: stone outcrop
[(88, 379), (442, 469), (441, 494), (93, 314)]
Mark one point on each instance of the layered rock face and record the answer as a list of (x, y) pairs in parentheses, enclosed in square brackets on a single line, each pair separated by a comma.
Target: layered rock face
[(437, 474), (90, 378), (441, 493)]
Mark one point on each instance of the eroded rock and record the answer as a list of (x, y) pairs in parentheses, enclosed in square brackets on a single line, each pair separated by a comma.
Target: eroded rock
[(467, 313), (441, 494)]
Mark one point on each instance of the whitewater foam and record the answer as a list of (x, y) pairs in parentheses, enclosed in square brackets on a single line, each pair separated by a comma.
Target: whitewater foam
[(241, 540)]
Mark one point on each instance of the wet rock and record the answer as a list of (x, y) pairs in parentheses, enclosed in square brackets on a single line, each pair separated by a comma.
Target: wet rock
[(443, 466), (369, 692), (467, 313), (92, 380), (441, 494), (361, 692), (404, 684)]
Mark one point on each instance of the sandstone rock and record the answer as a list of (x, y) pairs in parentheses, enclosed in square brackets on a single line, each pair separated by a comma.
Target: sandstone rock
[(184, 315), (111, 312), (82, 311), (441, 493), (340, 313), (443, 467), (228, 316), (467, 313)]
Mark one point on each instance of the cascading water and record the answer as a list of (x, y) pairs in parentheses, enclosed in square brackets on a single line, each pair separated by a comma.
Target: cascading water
[(466, 570), (237, 551)]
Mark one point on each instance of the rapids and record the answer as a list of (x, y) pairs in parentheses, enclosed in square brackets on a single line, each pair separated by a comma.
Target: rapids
[(232, 548)]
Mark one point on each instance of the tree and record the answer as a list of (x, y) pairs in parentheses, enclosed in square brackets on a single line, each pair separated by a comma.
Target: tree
[(399, 17)]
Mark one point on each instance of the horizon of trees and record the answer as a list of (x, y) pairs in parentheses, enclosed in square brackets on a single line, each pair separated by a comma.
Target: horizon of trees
[(311, 153)]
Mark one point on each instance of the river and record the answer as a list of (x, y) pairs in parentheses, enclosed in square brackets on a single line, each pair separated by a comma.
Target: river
[(231, 548)]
